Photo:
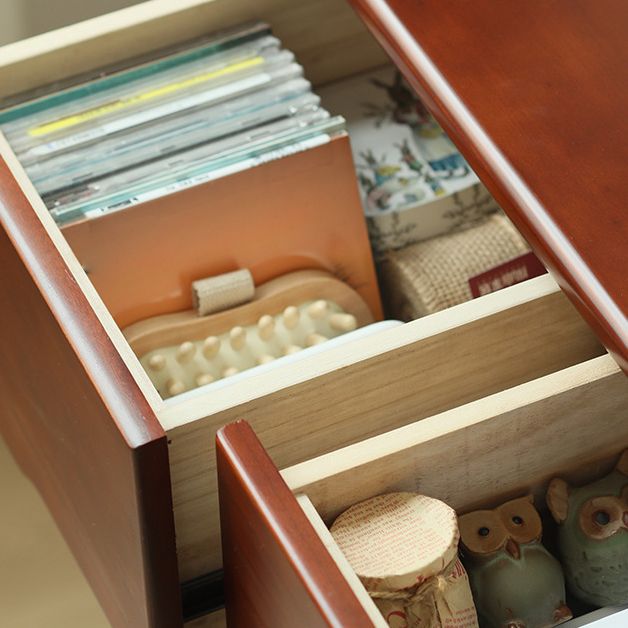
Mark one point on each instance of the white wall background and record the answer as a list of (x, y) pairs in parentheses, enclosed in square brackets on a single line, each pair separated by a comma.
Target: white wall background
[(24, 18)]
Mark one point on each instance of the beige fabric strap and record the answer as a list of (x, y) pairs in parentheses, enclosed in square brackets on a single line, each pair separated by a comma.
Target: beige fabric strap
[(433, 275), (214, 294)]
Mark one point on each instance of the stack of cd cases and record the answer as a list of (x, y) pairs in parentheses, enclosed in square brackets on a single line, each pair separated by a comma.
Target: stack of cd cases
[(157, 125)]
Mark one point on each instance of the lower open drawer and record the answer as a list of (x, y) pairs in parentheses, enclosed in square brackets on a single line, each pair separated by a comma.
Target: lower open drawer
[(282, 567)]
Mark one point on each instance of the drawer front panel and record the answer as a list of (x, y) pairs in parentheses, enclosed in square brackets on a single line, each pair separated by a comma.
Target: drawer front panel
[(278, 572), (78, 425)]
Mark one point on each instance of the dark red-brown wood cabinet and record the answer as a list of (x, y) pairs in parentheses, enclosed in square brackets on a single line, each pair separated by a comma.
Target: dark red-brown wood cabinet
[(469, 404)]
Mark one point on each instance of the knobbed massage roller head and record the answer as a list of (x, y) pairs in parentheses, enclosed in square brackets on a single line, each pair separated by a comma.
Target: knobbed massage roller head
[(176, 368), (183, 351)]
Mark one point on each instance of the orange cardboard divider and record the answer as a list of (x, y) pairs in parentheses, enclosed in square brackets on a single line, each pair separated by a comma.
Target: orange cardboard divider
[(299, 212)]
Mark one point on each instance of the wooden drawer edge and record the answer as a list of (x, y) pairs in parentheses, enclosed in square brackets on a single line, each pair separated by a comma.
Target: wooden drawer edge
[(277, 569), (30, 221), (121, 25), (80, 427), (473, 440), (344, 48), (339, 558)]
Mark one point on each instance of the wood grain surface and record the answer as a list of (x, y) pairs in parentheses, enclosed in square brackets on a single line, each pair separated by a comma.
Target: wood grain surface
[(278, 573), (535, 96), (80, 428), (495, 448), (373, 385)]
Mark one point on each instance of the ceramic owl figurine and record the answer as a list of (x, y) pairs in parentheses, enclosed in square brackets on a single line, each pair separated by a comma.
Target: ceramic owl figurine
[(593, 535), (516, 582)]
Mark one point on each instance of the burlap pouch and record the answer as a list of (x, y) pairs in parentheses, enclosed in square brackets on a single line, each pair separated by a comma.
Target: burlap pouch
[(433, 275)]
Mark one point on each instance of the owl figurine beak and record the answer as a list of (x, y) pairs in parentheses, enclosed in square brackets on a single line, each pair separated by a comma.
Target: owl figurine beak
[(512, 547)]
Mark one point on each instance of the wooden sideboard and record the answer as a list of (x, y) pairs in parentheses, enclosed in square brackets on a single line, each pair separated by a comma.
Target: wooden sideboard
[(131, 480)]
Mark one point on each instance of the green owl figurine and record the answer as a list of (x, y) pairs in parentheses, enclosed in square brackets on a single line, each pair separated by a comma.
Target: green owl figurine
[(516, 582), (593, 535)]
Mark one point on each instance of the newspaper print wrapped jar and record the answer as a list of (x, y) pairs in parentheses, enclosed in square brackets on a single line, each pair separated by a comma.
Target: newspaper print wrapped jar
[(404, 548)]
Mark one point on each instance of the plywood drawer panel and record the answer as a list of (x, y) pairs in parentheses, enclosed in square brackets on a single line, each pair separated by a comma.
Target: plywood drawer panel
[(368, 387), (572, 422)]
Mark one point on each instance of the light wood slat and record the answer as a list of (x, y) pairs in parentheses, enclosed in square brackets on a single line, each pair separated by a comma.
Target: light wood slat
[(343, 564), (367, 388), (572, 422), (212, 620)]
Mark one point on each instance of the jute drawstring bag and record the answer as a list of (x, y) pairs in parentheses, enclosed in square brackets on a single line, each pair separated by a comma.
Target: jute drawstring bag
[(433, 275)]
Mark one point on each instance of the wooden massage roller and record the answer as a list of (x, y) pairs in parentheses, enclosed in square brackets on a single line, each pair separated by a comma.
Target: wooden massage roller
[(183, 351)]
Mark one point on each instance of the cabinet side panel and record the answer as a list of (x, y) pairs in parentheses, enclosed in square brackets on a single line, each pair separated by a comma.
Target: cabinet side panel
[(80, 428), (534, 95), (277, 571)]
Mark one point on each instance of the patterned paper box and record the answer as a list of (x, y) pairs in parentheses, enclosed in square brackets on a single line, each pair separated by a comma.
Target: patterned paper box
[(414, 183)]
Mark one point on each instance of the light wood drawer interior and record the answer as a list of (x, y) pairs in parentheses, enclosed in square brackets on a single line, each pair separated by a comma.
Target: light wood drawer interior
[(366, 388), (348, 393), (572, 423)]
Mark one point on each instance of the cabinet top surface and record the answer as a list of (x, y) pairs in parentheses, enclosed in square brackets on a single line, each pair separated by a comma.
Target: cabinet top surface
[(535, 94)]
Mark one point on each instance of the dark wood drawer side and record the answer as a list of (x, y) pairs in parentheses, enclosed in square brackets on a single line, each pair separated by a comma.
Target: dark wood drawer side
[(534, 95), (277, 571), (80, 428)]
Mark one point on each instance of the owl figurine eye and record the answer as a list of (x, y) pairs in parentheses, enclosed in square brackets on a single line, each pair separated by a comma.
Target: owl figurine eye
[(601, 517), (481, 532), (521, 520)]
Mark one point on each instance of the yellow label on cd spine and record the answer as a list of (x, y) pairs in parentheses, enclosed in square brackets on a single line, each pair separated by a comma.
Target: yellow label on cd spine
[(123, 103)]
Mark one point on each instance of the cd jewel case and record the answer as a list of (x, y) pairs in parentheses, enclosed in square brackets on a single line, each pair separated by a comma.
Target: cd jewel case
[(157, 125)]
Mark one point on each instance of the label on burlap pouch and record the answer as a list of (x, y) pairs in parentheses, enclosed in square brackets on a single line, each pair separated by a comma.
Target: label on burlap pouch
[(509, 273), (404, 547)]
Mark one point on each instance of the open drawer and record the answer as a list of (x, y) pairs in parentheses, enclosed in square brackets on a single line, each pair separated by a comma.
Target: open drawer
[(129, 477), (283, 568)]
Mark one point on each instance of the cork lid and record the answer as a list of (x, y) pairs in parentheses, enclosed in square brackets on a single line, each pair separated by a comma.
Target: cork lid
[(397, 540)]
